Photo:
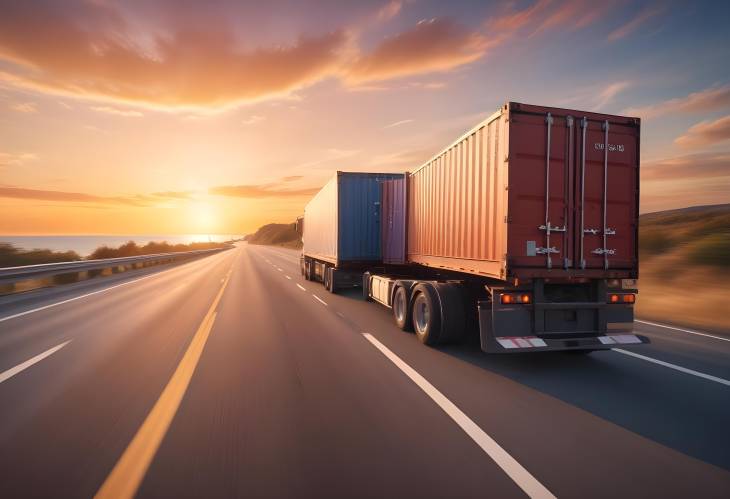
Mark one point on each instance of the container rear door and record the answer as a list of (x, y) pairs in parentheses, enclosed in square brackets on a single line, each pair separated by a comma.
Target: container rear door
[(573, 191), (393, 220), (541, 163), (607, 199)]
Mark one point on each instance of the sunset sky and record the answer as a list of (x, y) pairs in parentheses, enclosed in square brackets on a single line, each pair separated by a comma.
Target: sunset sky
[(216, 117)]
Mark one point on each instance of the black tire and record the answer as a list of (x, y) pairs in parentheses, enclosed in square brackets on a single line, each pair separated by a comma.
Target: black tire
[(309, 270), (302, 267), (426, 313), (402, 309), (366, 287), (453, 313), (329, 279)]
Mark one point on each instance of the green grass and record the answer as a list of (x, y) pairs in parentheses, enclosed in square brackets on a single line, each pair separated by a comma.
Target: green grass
[(699, 233), (711, 250)]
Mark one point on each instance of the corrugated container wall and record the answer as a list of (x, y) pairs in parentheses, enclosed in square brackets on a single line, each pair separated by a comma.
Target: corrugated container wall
[(531, 192), (457, 203), (342, 222)]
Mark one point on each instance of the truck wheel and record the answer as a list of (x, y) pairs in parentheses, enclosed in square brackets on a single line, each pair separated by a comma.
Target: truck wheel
[(309, 270), (426, 312), (453, 314), (366, 287), (302, 267), (401, 310), (329, 279)]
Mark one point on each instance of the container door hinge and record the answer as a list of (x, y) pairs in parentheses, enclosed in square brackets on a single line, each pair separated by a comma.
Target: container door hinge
[(595, 232), (552, 228)]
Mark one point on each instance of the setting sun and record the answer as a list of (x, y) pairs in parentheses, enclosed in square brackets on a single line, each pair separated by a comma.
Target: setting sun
[(202, 217)]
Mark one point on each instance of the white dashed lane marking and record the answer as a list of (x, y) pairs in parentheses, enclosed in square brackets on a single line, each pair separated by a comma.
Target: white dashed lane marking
[(320, 300), (25, 365)]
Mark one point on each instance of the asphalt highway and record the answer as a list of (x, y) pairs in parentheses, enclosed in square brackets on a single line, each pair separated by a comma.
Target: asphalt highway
[(232, 376)]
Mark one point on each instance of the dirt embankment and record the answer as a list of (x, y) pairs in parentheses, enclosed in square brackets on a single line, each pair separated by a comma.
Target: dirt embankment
[(684, 274), (276, 235)]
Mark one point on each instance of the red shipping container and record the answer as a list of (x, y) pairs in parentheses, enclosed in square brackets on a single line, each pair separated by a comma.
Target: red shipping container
[(532, 191)]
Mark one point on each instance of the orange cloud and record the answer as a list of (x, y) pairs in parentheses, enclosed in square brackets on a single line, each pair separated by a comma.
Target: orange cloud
[(262, 191), (118, 112), (91, 54), (24, 107), (685, 181), (433, 45), (389, 10), (633, 24), (10, 159), (689, 167), (571, 14), (710, 99), (706, 133), (79, 197), (91, 50)]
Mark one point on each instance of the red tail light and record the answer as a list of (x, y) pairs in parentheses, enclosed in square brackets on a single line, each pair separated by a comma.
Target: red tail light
[(623, 298), (509, 299)]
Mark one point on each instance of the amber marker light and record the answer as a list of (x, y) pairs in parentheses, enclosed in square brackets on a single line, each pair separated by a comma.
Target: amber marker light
[(629, 298), (614, 298), (507, 299), (524, 299)]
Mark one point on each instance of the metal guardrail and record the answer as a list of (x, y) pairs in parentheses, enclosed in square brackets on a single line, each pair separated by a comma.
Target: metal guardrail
[(10, 275)]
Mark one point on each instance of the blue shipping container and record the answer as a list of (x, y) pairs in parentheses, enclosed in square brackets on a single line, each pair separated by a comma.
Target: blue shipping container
[(342, 221)]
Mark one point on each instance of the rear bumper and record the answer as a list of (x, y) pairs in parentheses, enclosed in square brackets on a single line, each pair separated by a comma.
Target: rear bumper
[(506, 336)]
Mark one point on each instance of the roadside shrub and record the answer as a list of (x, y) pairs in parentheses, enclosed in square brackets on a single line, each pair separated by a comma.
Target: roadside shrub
[(711, 250), (654, 241), (10, 256)]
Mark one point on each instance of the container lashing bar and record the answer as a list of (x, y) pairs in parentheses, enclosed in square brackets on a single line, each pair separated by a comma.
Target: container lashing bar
[(566, 201), (547, 226), (605, 251), (584, 127)]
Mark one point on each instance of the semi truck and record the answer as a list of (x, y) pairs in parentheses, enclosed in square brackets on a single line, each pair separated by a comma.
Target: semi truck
[(524, 229)]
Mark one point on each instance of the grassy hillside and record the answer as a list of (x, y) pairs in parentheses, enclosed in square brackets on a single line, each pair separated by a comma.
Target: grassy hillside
[(276, 235), (685, 266)]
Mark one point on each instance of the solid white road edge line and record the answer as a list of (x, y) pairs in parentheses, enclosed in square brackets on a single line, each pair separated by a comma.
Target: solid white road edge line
[(320, 300), (509, 465), (25, 365), (301, 287), (50, 305), (683, 330), (44, 307), (673, 366)]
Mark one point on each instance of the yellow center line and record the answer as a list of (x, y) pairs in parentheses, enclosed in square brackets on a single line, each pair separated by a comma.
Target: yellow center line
[(128, 473)]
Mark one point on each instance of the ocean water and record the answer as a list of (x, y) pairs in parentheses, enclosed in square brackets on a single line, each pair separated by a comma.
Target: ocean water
[(85, 245)]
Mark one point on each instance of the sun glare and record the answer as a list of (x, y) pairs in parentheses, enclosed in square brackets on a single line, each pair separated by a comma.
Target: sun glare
[(203, 217)]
